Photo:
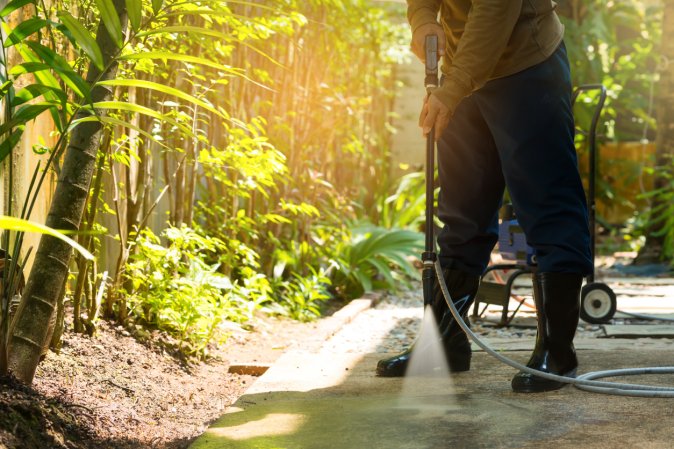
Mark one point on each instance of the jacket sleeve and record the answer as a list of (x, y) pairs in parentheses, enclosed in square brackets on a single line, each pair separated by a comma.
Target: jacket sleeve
[(421, 12), (488, 29)]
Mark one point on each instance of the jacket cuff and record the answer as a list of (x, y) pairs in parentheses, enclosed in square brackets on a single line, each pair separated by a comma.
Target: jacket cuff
[(453, 90), (422, 16)]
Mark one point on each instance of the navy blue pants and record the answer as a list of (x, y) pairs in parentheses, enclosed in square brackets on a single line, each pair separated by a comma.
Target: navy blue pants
[(516, 131)]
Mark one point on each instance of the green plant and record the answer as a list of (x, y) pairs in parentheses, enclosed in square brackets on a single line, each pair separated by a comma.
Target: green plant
[(283, 193), (300, 297), (405, 207), (177, 288), (659, 219), (374, 257), (614, 43), (12, 275), (34, 80), (283, 105)]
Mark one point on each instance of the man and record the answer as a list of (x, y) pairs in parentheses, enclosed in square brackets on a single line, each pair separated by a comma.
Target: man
[(503, 117)]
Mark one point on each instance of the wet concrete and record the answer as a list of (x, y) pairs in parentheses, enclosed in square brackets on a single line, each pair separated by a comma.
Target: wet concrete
[(323, 400), (329, 397)]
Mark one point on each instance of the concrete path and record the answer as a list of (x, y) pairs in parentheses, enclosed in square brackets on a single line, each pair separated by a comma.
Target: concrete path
[(330, 398)]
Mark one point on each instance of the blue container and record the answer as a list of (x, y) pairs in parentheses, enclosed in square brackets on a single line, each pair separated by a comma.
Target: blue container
[(512, 243)]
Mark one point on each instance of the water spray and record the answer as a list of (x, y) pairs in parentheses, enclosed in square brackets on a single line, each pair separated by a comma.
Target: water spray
[(432, 268)]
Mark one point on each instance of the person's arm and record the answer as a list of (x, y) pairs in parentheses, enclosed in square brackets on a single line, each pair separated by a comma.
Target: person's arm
[(423, 18), (488, 30), (422, 12)]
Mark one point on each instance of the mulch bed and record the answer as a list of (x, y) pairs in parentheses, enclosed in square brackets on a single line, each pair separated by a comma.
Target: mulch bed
[(113, 391)]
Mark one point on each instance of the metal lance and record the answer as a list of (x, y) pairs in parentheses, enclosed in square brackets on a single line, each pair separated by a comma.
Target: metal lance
[(428, 257)]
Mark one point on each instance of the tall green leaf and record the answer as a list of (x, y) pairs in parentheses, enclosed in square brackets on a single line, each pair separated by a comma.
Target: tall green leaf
[(130, 107), (156, 6), (18, 224), (111, 21), (84, 39), (59, 64), (34, 65), (24, 115), (166, 90), (13, 6), (135, 10), (23, 30), (33, 91), (44, 77), (10, 142), (28, 67), (166, 55), (6, 87), (199, 31), (117, 122)]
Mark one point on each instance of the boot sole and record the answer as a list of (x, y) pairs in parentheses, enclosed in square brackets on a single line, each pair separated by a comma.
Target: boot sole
[(534, 384), (383, 372), (457, 364)]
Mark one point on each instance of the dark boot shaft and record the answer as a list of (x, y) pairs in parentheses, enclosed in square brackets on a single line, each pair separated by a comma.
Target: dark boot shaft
[(557, 298), (462, 287), (560, 294)]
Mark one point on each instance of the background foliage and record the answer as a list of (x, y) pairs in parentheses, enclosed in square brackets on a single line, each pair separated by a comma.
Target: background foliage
[(242, 142), (617, 44), (245, 162)]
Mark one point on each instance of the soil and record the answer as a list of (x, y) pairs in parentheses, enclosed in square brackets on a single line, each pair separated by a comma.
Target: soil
[(112, 391)]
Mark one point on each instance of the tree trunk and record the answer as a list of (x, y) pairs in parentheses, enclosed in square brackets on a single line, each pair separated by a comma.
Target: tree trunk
[(652, 250), (50, 269)]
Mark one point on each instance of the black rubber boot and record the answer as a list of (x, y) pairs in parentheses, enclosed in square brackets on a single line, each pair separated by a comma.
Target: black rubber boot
[(557, 297), (462, 288)]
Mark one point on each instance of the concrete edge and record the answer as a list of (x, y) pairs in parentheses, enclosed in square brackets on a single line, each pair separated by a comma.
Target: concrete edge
[(332, 324), (327, 328)]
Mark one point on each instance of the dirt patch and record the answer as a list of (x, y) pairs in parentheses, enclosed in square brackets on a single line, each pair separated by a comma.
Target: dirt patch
[(111, 391)]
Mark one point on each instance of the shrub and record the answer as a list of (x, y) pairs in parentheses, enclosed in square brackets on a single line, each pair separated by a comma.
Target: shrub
[(177, 288), (374, 257), (301, 297)]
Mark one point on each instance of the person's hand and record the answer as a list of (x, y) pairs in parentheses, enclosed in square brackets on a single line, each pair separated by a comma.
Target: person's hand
[(419, 39), (434, 113)]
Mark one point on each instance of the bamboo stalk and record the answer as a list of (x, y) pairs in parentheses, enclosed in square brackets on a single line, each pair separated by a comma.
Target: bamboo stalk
[(87, 239)]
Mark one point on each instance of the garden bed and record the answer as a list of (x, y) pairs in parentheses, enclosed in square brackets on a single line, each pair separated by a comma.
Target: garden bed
[(112, 391)]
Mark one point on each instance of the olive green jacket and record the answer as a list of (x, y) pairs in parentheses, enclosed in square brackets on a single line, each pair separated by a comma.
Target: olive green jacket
[(487, 39)]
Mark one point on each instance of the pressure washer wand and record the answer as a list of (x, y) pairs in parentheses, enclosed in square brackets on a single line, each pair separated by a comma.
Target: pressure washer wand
[(428, 257)]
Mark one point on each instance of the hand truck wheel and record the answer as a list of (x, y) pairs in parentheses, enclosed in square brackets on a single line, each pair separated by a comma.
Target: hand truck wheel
[(597, 303)]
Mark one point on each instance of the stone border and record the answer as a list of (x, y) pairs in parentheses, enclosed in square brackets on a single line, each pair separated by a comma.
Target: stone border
[(327, 327)]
